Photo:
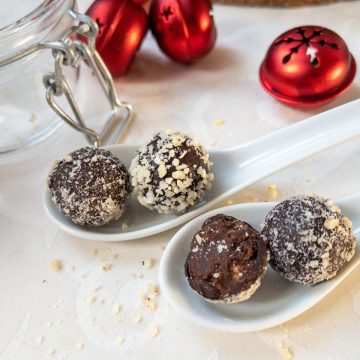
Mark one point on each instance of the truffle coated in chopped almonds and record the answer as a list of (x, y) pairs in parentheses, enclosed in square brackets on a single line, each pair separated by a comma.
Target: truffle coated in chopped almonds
[(90, 186), (227, 260), (171, 172), (308, 238)]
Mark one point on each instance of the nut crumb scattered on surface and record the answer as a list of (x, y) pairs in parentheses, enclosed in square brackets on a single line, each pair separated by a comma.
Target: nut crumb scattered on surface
[(272, 192), (116, 309), (154, 331), (218, 122), (154, 289), (138, 319), (115, 256), (229, 202), (162, 247), (151, 304), (33, 118), (49, 324), (95, 251), (285, 351), (56, 265), (124, 226), (120, 340), (107, 267), (148, 263), (97, 288), (51, 352), (80, 345), (40, 339), (148, 302), (91, 299)]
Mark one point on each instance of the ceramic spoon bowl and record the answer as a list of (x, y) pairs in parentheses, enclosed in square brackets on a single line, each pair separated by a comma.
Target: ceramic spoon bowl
[(234, 169), (277, 300)]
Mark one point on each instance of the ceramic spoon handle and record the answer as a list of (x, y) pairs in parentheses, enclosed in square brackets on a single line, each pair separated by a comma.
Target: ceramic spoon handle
[(264, 156)]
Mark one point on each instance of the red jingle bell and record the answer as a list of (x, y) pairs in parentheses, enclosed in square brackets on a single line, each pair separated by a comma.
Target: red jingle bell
[(184, 29), (307, 66), (122, 27), (140, 2)]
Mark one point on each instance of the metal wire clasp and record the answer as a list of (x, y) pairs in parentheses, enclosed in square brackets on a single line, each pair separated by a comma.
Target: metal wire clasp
[(71, 51)]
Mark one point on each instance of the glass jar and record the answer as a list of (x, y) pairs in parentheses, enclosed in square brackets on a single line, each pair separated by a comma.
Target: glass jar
[(25, 117), (27, 64)]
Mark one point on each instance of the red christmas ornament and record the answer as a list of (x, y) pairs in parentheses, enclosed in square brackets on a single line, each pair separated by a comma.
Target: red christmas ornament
[(122, 27), (307, 66), (184, 29), (140, 2)]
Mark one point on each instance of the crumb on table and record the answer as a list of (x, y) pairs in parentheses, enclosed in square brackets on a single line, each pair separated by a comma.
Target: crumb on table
[(148, 302), (56, 265), (154, 289), (218, 122), (120, 340), (116, 309), (107, 267), (138, 319), (285, 351), (148, 263), (154, 331)]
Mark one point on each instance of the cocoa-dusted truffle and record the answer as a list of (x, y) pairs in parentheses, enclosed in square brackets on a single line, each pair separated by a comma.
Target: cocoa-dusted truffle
[(90, 186), (171, 172), (227, 260), (308, 238)]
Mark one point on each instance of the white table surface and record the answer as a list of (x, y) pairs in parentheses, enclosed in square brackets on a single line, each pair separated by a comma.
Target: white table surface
[(36, 301)]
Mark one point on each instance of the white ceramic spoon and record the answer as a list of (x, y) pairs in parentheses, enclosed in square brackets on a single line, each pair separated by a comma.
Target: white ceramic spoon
[(276, 301), (234, 169)]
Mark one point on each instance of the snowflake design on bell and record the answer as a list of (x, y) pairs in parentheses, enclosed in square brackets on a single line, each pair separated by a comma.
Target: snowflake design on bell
[(315, 38)]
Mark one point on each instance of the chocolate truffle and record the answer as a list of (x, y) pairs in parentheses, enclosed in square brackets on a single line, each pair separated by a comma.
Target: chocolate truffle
[(227, 260), (308, 238), (90, 186), (171, 172)]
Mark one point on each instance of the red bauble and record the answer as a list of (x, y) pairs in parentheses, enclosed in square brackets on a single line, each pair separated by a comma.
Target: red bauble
[(307, 66), (184, 29), (140, 2), (122, 27)]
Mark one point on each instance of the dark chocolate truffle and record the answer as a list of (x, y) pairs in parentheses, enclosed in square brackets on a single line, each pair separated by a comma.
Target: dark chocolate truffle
[(90, 186), (171, 172), (308, 238), (227, 260)]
